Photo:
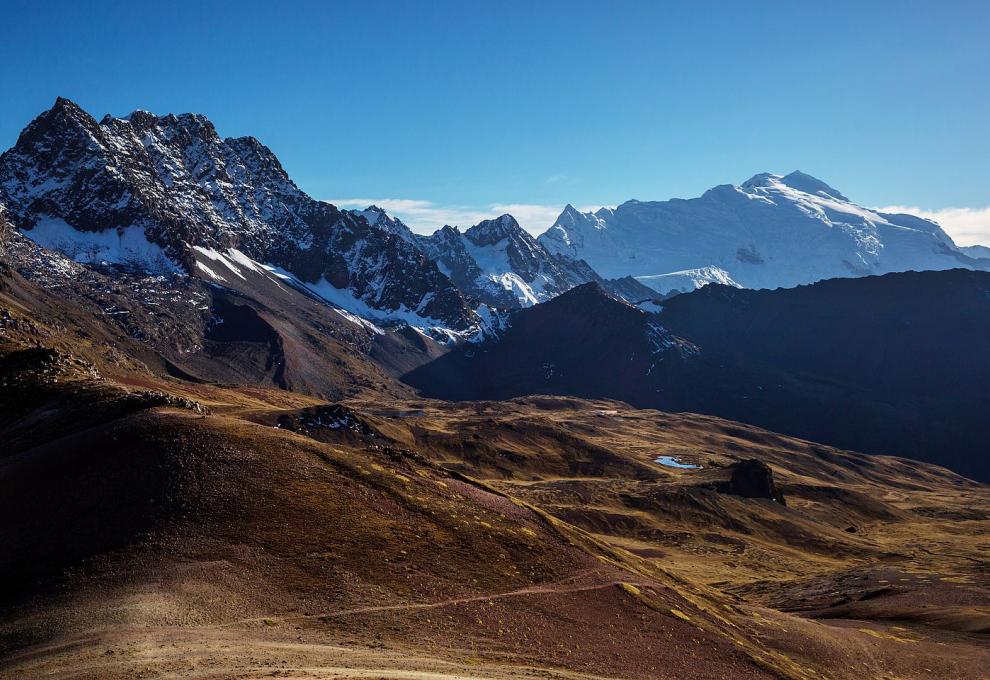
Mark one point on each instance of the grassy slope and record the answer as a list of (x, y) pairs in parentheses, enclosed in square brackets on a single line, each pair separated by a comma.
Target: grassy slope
[(145, 535)]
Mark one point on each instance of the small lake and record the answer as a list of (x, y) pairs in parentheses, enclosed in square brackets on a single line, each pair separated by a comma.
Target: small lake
[(672, 461)]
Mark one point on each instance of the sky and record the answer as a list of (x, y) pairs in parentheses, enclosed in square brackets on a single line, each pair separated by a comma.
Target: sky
[(450, 112)]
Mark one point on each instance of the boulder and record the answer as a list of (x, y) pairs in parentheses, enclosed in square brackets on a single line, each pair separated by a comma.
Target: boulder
[(753, 479)]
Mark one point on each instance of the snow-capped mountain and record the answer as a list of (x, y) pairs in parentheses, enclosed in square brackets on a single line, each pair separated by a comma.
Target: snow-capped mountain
[(501, 264), (167, 193), (771, 231), (976, 251), (687, 280)]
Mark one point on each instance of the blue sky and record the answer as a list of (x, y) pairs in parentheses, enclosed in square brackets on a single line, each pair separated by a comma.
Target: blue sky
[(455, 110)]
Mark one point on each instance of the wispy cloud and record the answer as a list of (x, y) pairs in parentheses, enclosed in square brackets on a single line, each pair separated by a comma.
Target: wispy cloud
[(425, 217), (966, 226)]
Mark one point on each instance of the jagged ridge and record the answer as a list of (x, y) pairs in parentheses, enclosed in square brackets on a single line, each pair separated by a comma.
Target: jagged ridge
[(502, 265), (175, 181)]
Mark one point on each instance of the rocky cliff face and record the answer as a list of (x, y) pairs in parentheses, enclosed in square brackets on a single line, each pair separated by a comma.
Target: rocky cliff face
[(149, 190), (502, 265)]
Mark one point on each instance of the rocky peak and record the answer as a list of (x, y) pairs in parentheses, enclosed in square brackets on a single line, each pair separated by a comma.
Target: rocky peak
[(502, 265), (64, 114), (63, 166), (489, 232), (259, 159), (446, 235), (585, 296), (373, 213), (138, 117), (570, 216), (175, 184), (61, 128), (380, 219)]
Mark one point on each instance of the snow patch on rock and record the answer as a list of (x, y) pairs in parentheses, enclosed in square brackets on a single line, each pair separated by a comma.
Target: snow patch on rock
[(687, 280), (123, 246)]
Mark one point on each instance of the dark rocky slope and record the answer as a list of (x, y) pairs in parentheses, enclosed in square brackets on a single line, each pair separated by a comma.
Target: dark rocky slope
[(583, 342), (896, 364)]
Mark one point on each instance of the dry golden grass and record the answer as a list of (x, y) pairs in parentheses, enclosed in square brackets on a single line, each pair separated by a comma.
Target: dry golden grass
[(477, 540)]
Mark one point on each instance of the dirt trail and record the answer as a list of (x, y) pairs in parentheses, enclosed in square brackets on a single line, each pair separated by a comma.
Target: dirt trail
[(203, 654), (555, 588)]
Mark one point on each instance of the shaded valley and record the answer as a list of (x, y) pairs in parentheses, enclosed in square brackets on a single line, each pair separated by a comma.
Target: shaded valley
[(893, 364)]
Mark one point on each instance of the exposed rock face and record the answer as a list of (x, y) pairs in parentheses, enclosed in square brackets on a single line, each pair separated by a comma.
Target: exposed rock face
[(752, 478), (172, 182), (6, 231), (630, 289), (449, 248), (39, 366), (501, 264), (331, 417), (378, 218), (583, 342)]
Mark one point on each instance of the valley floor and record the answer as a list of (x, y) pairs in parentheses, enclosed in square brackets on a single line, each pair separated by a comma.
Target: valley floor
[(245, 532)]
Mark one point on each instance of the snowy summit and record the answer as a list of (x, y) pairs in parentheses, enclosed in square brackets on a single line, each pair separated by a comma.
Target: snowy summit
[(771, 231)]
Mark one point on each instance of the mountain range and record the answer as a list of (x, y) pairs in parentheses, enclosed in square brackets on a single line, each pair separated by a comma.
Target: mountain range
[(501, 264), (168, 194), (883, 364), (771, 231), (132, 213), (249, 433)]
